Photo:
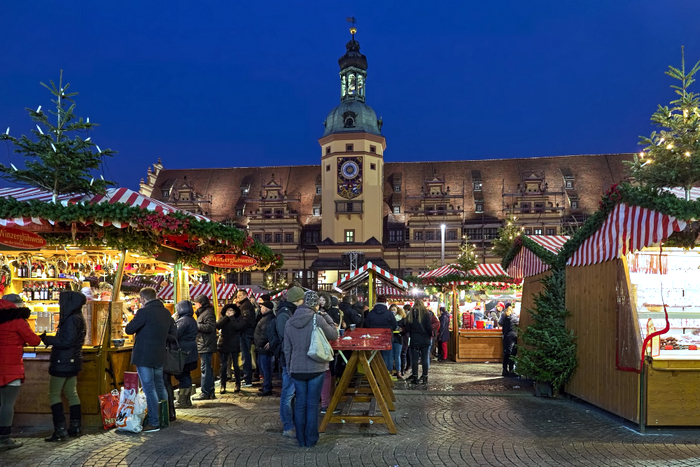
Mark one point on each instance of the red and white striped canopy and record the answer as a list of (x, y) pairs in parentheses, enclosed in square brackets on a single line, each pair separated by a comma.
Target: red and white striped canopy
[(112, 196), (359, 275), (627, 229), (391, 292), (440, 272), (494, 269), (223, 291), (526, 263)]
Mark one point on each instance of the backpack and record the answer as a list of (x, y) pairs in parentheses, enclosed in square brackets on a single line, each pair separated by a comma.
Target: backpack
[(273, 338)]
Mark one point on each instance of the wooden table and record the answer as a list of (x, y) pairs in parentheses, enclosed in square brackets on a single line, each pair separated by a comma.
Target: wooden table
[(380, 393)]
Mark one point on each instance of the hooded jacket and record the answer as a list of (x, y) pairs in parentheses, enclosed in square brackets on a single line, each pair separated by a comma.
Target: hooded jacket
[(14, 334), (231, 328), (153, 327), (297, 340), (260, 336), (206, 329), (285, 310), (248, 313), (444, 331), (67, 344), (350, 314), (187, 330), (380, 317)]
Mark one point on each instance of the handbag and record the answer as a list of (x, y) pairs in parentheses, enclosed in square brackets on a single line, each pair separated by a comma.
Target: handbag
[(174, 361), (319, 349)]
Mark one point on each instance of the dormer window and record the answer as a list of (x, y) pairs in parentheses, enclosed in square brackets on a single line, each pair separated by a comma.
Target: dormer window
[(397, 188), (244, 190), (574, 204), (569, 184), (479, 208), (239, 212), (317, 211), (165, 193), (397, 209), (318, 189), (477, 186)]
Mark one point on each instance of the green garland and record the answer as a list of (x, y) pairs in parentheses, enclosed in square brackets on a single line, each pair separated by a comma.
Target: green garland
[(541, 252), (663, 202), (146, 233), (450, 278)]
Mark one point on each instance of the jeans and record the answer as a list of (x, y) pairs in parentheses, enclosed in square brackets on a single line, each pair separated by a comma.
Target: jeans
[(246, 341), (306, 411), (387, 356), (184, 379), (207, 373), (286, 414), (424, 354), (8, 397), (396, 356), (154, 389), (266, 369), (223, 374)]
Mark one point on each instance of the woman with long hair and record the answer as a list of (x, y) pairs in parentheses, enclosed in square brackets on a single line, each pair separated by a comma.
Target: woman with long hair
[(397, 339), (232, 325), (419, 325)]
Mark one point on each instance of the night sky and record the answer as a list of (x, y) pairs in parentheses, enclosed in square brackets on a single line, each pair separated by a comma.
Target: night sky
[(222, 84)]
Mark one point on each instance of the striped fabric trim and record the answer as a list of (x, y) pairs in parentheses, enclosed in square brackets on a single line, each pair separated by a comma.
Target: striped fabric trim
[(224, 291), (626, 230), (360, 274), (526, 263)]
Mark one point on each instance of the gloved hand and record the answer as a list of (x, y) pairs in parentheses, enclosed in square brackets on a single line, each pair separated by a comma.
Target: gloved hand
[(43, 337)]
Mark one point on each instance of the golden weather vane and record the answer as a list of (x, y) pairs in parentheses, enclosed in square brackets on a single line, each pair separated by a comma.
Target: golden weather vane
[(353, 29)]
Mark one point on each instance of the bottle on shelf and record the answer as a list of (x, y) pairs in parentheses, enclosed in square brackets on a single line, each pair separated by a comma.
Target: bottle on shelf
[(51, 272)]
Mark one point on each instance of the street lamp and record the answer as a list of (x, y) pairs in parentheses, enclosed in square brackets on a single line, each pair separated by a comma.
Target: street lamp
[(442, 246)]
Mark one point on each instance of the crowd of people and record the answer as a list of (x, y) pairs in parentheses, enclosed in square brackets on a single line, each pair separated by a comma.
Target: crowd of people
[(263, 334)]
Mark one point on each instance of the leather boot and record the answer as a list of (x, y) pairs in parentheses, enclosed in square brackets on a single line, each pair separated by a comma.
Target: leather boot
[(6, 442), (59, 424), (74, 424), (171, 409), (223, 387), (183, 398)]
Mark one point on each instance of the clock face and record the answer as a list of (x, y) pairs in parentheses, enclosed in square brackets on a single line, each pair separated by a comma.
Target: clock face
[(350, 169)]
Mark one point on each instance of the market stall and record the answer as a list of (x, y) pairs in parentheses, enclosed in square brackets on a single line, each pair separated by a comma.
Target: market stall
[(471, 340), (87, 243), (632, 292), (530, 259), (374, 276)]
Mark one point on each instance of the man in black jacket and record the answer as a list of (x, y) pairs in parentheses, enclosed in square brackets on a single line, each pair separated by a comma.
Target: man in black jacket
[(153, 327), (248, 313), (206, 344), (381, 317), (262, 345), (350, 313)]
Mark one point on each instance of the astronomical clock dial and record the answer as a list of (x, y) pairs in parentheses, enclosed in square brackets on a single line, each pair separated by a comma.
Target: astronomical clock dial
[(350, 177), (350, 169)]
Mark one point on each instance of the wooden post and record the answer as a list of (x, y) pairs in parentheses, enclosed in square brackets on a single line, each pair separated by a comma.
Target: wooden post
[(454, 341), (370, 288), (214, 295), (176, 282), (107, 338)]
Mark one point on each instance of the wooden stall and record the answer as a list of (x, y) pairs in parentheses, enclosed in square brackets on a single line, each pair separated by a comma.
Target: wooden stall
[(633, 299), (530, 260), (375, 277), (48, 246)]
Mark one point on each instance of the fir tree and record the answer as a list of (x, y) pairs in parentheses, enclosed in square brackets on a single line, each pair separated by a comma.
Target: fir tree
[(466, 261), (506, 236), (671, 156), (550, 355), (58, 159)]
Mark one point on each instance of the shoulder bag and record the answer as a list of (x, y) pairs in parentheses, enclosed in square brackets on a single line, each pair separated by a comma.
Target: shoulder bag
[(174, 361), (319, 349)]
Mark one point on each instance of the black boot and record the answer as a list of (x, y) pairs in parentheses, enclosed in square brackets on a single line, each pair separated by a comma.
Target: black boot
[(424, 379), (74, 424), (6, 442), (59, 424), (171, 408)]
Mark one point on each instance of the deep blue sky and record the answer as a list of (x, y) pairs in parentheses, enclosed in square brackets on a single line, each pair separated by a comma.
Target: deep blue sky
[(228, 83)]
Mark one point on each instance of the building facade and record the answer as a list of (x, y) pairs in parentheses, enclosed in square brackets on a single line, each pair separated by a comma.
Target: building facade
[(353, 207)]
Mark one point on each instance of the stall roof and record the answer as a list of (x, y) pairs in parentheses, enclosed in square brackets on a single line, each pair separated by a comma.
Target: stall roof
[(112, 196), (527, 262), (359, 275), (494, 269), (224, 291)]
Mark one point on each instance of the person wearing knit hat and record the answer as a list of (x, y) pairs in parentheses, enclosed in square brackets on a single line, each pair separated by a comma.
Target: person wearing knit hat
[(15, 333), (295, 294), (307, 373)]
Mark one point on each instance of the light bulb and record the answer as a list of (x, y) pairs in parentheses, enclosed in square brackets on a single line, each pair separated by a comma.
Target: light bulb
[(687, 154), (670, 146)]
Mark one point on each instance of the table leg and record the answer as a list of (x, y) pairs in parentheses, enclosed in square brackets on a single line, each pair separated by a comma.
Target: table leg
[(349, 373), (384, 381), (376, 390)]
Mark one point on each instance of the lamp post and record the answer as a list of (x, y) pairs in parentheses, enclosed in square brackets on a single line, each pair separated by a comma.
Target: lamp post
[(442, 244)]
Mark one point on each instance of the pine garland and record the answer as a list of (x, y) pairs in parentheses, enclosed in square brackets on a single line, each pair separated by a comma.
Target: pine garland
[(541, 252)]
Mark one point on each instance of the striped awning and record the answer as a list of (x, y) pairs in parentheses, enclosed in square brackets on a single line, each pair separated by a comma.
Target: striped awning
[(223, 291), (359, 275), (626, 230), (111, 196), (440, 272), (494, 269), (526, 263)]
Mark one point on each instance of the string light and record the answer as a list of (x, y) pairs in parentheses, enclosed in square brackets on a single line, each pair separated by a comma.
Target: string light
[(670, 146), (687, 154)]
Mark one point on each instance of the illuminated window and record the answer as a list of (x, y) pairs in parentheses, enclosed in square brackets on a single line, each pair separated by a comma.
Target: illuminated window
[(349, 236)]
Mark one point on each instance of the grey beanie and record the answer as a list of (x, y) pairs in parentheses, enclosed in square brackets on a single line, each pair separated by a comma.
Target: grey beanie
[(310, 298)]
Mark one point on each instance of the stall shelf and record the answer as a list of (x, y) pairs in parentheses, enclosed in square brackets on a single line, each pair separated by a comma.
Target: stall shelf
[(628, 287), (110, 230)]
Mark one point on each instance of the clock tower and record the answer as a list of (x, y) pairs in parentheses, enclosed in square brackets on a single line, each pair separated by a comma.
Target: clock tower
[(352, 163)]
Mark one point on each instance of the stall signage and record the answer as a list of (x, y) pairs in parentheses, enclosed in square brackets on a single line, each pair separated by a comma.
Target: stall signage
[(17, 238), (229, 261)]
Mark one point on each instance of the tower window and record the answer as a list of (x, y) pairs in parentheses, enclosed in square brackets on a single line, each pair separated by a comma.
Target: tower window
[(328, 149), (317, 211), (373, 166), (349, 147), (397, 209), (349, 122), (349, 236), (373, 149), (328, 167)]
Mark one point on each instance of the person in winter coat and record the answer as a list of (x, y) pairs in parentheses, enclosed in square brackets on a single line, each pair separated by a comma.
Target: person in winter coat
[(334, 312), (306, 372), (206, 345), (65, 363), (248, 313), (231, 325), (405, 339), (350, 314), (443, 337), (285, 310), (325, 303), (154, 328), (397, 340), (435, 326), (419, 325), (381, 317), (15, 333), (187, 338), (262, 345), (509, 324)]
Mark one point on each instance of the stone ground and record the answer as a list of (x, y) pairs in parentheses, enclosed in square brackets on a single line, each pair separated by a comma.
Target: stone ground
[(467, 415)]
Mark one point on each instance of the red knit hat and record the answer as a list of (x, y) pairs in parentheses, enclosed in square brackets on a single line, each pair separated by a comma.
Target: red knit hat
[(6, 304), (501, 304)]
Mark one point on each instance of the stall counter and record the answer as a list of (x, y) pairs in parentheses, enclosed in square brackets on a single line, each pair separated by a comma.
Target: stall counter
[(480, 345)]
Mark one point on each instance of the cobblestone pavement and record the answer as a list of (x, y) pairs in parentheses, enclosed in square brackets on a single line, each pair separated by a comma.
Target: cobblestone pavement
[(467, 415)]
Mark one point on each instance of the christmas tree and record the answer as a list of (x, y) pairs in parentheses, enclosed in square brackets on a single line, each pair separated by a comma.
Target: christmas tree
[(506, 236), (466, 261), (671, 156), (57, 159), (549, 354)]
